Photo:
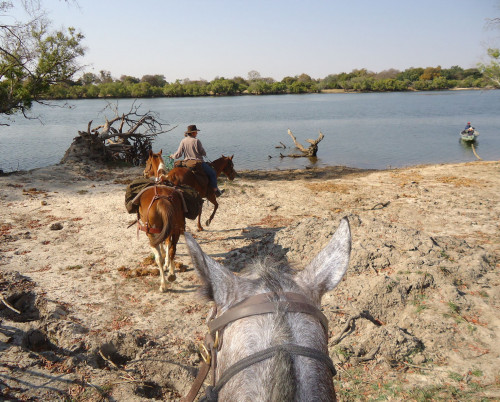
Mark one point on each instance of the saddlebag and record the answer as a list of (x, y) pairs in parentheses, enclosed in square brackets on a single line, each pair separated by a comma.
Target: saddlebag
[(133, 189)]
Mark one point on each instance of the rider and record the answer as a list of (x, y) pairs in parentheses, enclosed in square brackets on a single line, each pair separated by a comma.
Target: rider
[(192, 149), (468, 127)]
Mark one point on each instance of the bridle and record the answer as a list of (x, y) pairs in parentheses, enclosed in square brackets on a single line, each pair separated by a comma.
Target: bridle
[(254, 305), (161, 167)]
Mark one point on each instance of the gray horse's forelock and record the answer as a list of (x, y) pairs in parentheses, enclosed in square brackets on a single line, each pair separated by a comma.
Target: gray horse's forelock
[(279, 372), (270, 276)]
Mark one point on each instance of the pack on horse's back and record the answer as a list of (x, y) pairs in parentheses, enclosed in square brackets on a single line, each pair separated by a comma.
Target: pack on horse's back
[(192, 201)]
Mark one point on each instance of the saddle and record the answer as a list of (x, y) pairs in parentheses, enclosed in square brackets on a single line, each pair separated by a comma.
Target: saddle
[(196, 168)]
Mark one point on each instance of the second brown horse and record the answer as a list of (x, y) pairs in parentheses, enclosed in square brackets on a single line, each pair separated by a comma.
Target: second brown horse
[(161, 216)]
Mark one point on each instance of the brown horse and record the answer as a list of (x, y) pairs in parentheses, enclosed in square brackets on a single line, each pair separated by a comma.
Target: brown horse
[(161, 216), (184, 176)]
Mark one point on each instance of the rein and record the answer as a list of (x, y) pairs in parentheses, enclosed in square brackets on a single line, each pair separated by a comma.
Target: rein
[(254, 305)]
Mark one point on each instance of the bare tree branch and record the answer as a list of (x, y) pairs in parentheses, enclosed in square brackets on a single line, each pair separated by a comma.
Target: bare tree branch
[(306, 152)]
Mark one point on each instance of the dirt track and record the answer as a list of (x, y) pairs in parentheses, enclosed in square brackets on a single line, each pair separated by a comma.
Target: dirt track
[(423, 273)]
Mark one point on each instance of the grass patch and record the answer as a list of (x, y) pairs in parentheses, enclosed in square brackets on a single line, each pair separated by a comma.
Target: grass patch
[(446, 256), (358, 384), (458, 181), (419, 302), (73, 267), (329, 187), (455, 376)]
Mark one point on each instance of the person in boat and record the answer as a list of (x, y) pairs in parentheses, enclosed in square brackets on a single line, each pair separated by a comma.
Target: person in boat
[(468, 128), (192, 149)]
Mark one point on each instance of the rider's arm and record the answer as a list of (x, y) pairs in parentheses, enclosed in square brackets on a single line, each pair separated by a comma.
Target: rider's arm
[(179, 153)]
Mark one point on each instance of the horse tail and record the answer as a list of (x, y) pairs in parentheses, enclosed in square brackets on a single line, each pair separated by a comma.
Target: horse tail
[(165, 210)]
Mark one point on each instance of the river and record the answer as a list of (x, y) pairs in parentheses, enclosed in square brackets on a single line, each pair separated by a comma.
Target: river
[(367, 130)]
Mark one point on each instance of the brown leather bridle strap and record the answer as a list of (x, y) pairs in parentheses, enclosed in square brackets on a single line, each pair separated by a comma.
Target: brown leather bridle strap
[(259, 304), (213, 391), (263, 304)]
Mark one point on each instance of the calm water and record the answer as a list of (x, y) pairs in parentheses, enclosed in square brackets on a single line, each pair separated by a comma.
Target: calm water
[(361, 130)]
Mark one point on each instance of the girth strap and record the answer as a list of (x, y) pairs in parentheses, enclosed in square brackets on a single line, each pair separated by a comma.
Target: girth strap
[(213, 392)]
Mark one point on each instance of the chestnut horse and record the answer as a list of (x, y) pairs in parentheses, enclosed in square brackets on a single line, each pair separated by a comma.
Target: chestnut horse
[(161, 216), (184, 176)]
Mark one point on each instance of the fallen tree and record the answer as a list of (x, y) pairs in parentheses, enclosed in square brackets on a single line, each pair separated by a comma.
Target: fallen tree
[(306, 152), (127, 138)]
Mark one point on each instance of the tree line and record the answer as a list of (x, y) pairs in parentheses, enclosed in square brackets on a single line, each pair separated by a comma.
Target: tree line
[(37, 64), (103, 85)]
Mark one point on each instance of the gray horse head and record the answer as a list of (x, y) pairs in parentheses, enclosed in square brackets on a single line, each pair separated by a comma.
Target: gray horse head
[(285, 376)]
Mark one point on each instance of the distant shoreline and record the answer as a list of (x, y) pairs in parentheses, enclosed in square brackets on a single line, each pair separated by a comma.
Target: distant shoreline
[(343, 91)]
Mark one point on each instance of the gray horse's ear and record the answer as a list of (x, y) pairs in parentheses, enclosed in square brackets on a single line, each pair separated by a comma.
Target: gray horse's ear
[(218, 281), (327, 269)]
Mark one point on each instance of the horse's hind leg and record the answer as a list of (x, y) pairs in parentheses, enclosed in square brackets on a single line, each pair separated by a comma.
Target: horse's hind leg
[(200, 228), (216, 205), (160, 261), (169, 261)]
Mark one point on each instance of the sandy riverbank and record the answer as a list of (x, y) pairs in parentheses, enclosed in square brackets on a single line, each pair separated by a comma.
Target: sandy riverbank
[(424, 265)]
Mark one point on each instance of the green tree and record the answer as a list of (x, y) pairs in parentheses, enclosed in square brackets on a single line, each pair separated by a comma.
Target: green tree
[(491, 71), (88, 78), (156, 80), (259, 87), (174, 89), (222, 86), (279, 88), (430, 73), (104, 77), (453, 73), (304, 78), (140, 90), (411, 74), (128, 80), (113, 90), (32, 58)]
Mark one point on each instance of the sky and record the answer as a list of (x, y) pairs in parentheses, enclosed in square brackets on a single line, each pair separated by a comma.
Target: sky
[(205, 39)]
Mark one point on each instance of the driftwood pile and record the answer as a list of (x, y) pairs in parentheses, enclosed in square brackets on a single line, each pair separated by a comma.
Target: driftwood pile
[(130, 141)]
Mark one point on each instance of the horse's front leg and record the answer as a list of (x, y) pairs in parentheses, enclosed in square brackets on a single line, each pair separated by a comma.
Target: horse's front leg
[(160, 261), (169, 262)]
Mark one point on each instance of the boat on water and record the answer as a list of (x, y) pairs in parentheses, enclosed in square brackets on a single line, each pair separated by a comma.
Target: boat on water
[(469, 136)]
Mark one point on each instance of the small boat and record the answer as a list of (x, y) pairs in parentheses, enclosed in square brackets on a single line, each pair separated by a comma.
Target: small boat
[(469, 136)]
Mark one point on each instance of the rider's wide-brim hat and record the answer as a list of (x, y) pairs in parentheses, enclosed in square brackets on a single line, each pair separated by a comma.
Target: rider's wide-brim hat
[(192, 129)]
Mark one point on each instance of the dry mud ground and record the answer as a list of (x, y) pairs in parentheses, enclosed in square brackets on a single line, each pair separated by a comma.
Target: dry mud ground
[(421, 293)]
